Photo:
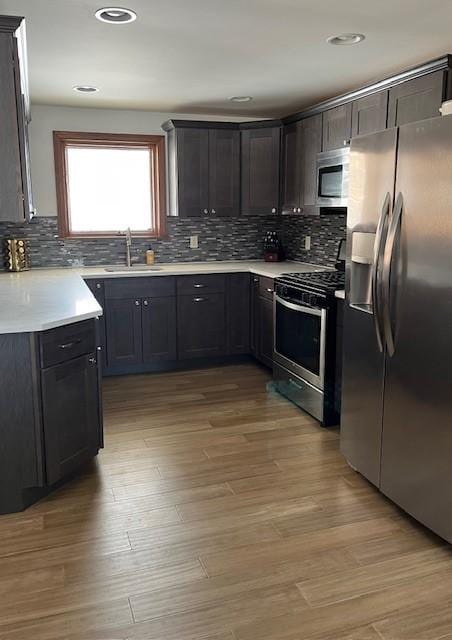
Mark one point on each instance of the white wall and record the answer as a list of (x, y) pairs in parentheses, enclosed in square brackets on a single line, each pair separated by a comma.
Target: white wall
[(46, 119)]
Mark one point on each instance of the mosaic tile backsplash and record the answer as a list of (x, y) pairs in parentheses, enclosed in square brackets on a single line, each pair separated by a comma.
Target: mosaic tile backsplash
[(219, 239), (326, 232)]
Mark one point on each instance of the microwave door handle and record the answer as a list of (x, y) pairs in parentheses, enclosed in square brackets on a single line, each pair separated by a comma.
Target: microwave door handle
[(394, 226), (384, 215)]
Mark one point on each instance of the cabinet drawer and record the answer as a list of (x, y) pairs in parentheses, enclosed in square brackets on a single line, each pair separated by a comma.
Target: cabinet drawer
[(68, 342), (213, 283), (266, 287), (139, 287)]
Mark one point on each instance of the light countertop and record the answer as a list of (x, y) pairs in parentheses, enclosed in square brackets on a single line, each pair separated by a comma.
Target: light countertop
[(42, 299), (340, 293)]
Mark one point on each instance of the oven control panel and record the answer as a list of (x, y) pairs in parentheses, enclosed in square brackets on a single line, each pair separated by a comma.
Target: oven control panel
[(301, 297)]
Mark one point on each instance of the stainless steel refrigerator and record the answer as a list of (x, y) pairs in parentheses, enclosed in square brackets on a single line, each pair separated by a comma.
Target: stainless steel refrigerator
[(396, 423)]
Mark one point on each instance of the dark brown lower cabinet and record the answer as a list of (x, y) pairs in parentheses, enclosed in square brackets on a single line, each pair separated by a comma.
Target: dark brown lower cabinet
[(238, 313), (265, 351), (124, 334), (70, 413), (261, 306), (201, 329), (158, 322)]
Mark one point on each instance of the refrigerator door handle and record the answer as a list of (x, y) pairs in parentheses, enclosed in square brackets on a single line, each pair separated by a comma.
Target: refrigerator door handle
[(384, 215), (394, 226)]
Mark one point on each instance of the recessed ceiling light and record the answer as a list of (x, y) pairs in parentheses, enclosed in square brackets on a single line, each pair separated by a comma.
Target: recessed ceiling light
[(346, 38), (116, 15), (241, 99), (85, 88)]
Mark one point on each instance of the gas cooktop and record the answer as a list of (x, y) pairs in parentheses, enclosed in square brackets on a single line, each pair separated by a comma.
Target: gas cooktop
[(320, 281)]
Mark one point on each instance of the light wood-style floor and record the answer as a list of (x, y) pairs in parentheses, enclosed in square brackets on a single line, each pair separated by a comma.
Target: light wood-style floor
[(219, 511)]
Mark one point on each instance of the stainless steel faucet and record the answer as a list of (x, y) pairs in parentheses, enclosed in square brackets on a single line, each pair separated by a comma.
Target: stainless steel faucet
[(128, 247)]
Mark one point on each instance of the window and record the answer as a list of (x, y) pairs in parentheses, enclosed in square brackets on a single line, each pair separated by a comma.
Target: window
[(107, 183)]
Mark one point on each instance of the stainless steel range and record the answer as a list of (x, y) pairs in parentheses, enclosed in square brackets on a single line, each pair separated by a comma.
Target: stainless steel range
[(305, 341)]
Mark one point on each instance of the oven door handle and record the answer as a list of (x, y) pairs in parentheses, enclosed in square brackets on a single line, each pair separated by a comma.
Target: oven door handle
[(297, 307)]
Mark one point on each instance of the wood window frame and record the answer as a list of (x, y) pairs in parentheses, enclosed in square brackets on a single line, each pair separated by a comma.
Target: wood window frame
[(155, 143)]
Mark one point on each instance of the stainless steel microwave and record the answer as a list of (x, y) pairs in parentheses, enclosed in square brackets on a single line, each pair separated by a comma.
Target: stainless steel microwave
[(332, 178)]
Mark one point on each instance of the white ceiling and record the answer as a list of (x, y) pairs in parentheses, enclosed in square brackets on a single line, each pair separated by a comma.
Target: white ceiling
[(190, 56)]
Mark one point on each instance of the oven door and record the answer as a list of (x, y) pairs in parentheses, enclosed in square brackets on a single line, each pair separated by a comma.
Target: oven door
[(300, 334)]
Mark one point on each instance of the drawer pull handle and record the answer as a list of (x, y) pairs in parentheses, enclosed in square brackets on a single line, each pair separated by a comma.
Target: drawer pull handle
[(199, 299), (199, 286), (69, 345)]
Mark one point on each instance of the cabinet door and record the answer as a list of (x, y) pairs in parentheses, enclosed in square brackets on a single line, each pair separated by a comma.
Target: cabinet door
[(260, 171), (266, 338), (369, 114), (97, 289), (337, 127), (238, 313), (124, 333), (159, 329), (415, 100), (70, 410), (292, 162), (224, 172), (201, 331), (311, 145), (254, 314), (11, 193), (193, 172)]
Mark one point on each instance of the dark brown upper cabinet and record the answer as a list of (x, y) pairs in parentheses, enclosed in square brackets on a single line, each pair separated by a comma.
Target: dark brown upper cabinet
[(311, 145), (337, 127), (192, 149), (292, 161), (260, 170), (416, 99), (369, 114), (15, 181), (224, 172), (204, 168)]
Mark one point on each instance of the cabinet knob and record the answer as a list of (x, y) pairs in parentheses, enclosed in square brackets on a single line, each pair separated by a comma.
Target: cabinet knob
[(299, 210), (205, 210), (270, 290), (92, 360), (137, 303), (213, 211), (145, 302), (255, 279), (274, 210), (98, 285), (295, 209)]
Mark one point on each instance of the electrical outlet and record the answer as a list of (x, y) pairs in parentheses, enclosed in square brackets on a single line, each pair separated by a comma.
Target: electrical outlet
[(307, 243), (194, 242)]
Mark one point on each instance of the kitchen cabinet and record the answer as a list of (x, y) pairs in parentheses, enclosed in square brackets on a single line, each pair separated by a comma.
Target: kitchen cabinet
[(224, 172), (124, 333), (70, 415), (292, 179), (311, 145), (416, 99), (50, 408), (204, 167), (369, 114), (337, 127), (260, 170), (201, 330), (262, 322), (140, 321), (238, 313), (159, 329), (97, 289), (15, 182)]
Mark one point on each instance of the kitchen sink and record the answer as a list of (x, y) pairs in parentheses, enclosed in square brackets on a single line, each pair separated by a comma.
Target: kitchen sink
[(135, 267)]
